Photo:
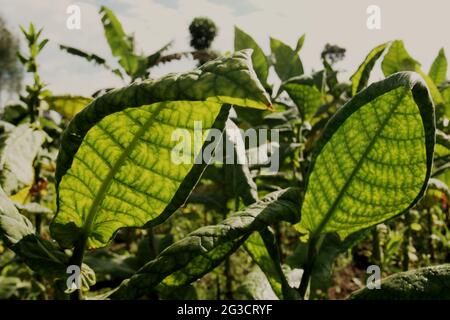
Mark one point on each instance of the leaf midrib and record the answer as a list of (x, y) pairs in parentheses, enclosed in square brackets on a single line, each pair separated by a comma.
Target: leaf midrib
[(343, 190), (106, 183)]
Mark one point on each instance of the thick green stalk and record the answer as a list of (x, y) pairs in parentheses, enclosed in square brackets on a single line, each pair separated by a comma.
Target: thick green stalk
[(376, 247), (77, 259), (405, 244)]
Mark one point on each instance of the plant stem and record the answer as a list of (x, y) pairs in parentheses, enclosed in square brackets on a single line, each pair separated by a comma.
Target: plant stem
[(376, 248), (405, 244), (430, 234), (77, 259), (313, 250)]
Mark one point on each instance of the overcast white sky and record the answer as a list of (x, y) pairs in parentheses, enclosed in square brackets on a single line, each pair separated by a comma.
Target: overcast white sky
[(423, 25)]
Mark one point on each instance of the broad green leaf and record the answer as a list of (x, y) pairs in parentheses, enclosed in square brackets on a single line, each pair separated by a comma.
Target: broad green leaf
[(116, 168), (374, 158), (91, 57), (19, 235), (425, 283), (438, 70), (121, 44), (361, 76), (205, 248), (243, 41), (66, 105), (287, 63), (398, 59), (18, 149), (306, 94)]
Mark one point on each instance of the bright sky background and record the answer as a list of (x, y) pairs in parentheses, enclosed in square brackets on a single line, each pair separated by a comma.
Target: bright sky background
[(423, 25)]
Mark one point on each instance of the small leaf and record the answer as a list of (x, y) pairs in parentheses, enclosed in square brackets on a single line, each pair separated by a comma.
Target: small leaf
[(243, 41), (300, 43), (425, 283), (121, 45), (306, 94), (287, 62), (374, 158), (91, 57), (398, 59), (438, 70), (66, 105), (361, 77)]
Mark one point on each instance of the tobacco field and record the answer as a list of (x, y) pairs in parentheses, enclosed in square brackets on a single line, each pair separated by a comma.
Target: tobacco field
[(93, 205)]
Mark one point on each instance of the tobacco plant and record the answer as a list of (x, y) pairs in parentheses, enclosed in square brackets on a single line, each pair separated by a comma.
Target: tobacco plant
[(352, 156)]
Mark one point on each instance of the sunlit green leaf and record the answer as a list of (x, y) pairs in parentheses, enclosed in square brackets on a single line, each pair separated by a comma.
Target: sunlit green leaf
[(115, 167), (438, 70), (306, 94), (398, 59), (66, 105), (121, 44), (243, 41), (361, 76), (373, 159), (287, 62)]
